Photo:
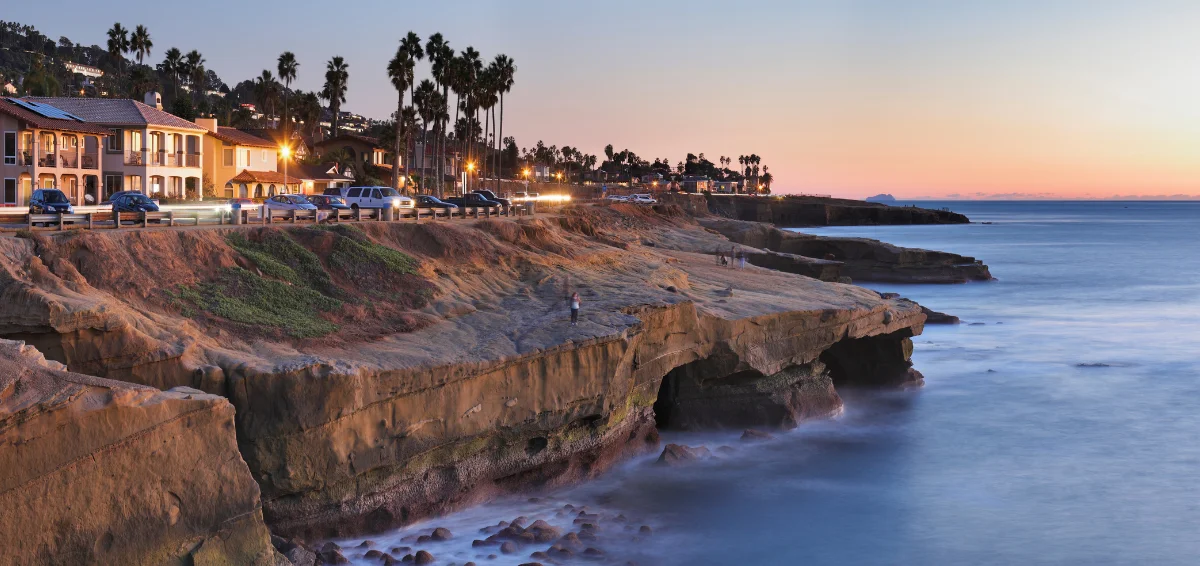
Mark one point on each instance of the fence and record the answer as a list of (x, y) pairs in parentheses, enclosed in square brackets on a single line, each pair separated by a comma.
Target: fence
[(255, 216)]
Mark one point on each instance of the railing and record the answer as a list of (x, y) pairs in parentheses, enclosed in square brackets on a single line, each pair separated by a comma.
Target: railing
[(24, 159), (46, 160), (68, 159), (90, 161), (175, 159), (135, 158), (158, 157), (256, 216), (193, 160)]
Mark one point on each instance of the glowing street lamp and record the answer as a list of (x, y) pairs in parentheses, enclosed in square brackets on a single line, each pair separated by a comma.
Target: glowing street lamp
[(285, 151)]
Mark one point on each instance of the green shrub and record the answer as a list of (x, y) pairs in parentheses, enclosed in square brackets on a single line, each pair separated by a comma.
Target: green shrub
[(243, 297), (281, 257)]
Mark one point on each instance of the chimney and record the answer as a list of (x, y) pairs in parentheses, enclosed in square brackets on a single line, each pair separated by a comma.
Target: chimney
[(154, 99), (209, 124)]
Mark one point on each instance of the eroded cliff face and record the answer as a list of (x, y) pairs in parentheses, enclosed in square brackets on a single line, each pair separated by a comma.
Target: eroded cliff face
[(861, 259), (351, 421), (102, 472), (796, 211)]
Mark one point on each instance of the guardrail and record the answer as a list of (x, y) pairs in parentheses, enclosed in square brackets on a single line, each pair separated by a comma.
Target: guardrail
[(253, 216)]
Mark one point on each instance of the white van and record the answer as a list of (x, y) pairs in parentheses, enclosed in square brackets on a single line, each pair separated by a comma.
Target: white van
[(372, 197)]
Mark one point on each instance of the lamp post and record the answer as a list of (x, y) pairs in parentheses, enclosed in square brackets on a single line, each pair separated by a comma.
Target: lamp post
[(467, 178), (286, 152)]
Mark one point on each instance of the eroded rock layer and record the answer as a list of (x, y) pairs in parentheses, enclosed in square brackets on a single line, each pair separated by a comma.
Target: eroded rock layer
[(101, 472)]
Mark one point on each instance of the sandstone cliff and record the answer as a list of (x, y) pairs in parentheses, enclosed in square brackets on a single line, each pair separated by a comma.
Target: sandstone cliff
[(861, 259), (797, 211), (102, 472), (390, 371)]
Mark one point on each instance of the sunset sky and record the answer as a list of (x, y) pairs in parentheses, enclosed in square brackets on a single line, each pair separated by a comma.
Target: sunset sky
[(1082, 98)]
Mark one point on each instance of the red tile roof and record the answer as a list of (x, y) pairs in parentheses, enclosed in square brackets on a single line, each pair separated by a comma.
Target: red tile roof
[(238, 137), (38, 121), (247, 176), (118, 112)]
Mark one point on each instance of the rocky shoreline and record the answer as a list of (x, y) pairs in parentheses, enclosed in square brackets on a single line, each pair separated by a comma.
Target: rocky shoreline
[(395, 402)]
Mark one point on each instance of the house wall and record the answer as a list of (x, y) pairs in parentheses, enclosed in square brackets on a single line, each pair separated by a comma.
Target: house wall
[(24, 165)]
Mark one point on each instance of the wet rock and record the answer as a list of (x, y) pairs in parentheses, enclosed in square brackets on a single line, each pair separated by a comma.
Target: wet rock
[(527, 537), (367, 544), (534, 500), (441, 534), (407, 558), (477, 543), (935, 317), (509, 547), (400, 549), (752, 435), (330, 546), (571, 540), (621, 518), (519, 521), (469, 564), (726, 450), (389, 560), (531, 564), (978, 324), (422, 557), (333, 556), (301, 556), (373, 554), (678, 454), (424, 539), (645, 530), (593, 552), (540, 555)]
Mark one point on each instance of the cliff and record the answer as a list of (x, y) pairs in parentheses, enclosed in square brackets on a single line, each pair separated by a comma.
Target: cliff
[(861, 259), (390, 371), (798, 211), (104, 472)]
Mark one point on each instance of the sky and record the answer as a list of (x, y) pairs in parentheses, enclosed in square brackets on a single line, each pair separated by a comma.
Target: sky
[(916, 98)]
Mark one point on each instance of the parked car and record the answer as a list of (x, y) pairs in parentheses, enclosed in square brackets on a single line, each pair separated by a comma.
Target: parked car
[(618, 198), (118, 194), (473, 199), (371, 197), (643, 199), (427, 201), (492, 197), (533, 196), (49, 201), (132, 201), (328, 202), (288, 202), (520, 196)]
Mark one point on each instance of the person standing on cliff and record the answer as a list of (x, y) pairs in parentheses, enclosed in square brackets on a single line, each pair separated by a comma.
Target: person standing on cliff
[(741, 257), (574, 308)]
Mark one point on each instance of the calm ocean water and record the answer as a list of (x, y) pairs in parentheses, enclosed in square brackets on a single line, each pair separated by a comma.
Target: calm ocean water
[(1064, 429)]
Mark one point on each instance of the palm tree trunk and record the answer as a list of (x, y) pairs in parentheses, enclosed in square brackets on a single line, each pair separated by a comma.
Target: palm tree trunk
[(500, 146), (396, 142)]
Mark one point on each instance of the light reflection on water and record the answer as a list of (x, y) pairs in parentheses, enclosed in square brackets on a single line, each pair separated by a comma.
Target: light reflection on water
[(1012, 453)]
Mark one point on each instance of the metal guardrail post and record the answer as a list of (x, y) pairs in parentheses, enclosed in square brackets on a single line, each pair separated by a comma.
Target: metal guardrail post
[(145, 222), (61, 224), (89, 220), (358, 215), (116, 219)]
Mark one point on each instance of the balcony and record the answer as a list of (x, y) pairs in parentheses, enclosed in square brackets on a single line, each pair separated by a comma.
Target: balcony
[(24, 158), (135, 158), (175, 159), (90, 161), (47, 160), (68, 159), (193, 160), (158, 158)]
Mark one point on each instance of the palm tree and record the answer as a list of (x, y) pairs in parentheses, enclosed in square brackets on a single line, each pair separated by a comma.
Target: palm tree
[(118, 45), (505, 71), (140, 42), (172, 64), (471, 67), (308, 111), (401, 75), (193, 64), (337, 75), (266, 92), (410, 46), (440, 56), (287, 73), (141, 81), (427, 100)]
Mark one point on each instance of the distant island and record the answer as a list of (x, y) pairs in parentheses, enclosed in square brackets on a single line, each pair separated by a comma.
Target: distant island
[(883, 198)]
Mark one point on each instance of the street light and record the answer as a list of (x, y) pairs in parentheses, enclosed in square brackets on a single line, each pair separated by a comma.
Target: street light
[(467, 177), (286, 152)]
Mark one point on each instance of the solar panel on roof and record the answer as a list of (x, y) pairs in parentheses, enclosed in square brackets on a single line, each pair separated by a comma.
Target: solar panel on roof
[(46, 110)]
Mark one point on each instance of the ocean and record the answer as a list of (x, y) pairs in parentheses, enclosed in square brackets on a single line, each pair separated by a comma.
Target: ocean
[(1059, 424)]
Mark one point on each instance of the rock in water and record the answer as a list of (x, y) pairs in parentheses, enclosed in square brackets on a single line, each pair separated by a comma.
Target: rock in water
[(678, 454), (422, 557), (934, 317), (752, 435), (440, 534)]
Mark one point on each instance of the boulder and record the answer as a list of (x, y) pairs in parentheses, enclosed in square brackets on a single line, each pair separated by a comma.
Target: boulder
[(752, 435), (678, 454)]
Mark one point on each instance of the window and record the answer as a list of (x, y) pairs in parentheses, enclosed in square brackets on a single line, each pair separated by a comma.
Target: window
[(264, 155), (244, 156), (229, 186), (116, 141), (112, 184), (227, 157), (10, 191), (375, 193), (354, 193), (10, 148)]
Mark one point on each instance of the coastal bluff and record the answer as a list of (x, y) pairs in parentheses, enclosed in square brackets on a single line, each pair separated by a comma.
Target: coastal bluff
[(383, 373), (103, 472), (800, 211)]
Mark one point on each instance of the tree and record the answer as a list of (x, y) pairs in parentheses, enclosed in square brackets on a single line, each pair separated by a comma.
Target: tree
[(410, 48), (505, 72), (337, 76), (172, 65), (608, 152), (287, 73), (183, 108), (308, 112), (39, 81), (141, 81), (441, 58), (140, 43), (470, 68), (193, 64), (401, 75), (429, 106), (266, 92), (118, 45)]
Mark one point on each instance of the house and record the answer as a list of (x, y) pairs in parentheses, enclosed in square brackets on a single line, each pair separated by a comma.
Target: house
[(362, 150), (146, 149), (317, 178), (725, 187), (243, 165), (44, 147), (695, 184)]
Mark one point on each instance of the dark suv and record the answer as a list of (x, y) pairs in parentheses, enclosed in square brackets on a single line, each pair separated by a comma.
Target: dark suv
[(492, 197), (130, 201), (49, 201)]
